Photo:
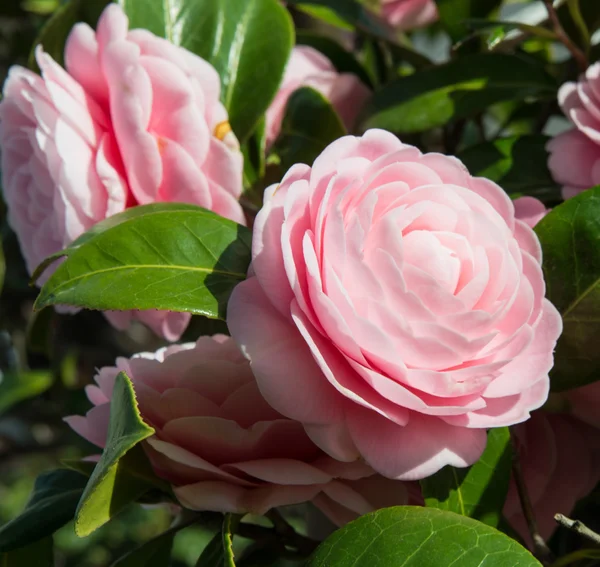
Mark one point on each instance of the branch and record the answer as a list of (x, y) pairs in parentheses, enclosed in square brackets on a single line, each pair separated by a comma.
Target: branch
[(541, 549), (579, 56), (578, 527)]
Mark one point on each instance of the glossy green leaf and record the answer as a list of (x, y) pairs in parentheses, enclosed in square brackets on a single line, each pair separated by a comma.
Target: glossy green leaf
[(153, 553), (570, 234), (160, 256), (518, 164), (51, 505), (38, 554), (458, 89), (219, 551), (455, 13), (53, 35), (419, 537), (18, 386), (342, 60), (310, 124), (478, 491), (113, 483), (232, 36)]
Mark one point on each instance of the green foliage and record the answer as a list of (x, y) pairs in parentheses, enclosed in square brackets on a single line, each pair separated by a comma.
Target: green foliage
[(18, 386), (51, 505), (454, 13), (419, 537), (153, 553), (115, 481), (459, 89), (159, 256), (219, 551), (570, 234), (230, 35), (478, 491), (38, 554), (310, 124)]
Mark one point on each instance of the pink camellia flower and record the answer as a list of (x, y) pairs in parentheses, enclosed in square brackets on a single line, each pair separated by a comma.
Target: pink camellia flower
[(406, 15), (575, 155), (530, 210), (308, 67), (132, 120), (395, 307), (221, 446), (560, 461)]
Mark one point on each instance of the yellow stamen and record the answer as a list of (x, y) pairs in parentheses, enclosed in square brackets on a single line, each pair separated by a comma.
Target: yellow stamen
[(222, 129)]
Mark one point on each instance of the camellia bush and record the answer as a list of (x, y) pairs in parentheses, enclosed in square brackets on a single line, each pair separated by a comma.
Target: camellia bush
[(314, 282)]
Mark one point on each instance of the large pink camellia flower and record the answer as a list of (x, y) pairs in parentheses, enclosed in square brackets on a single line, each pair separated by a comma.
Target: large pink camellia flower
[(308, 67), (221, 446), (132, 120), (395, 306), (406, 15), (560, 460), (575, 155)]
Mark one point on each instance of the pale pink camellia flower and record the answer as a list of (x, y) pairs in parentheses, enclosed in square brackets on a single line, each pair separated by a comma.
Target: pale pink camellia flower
[(560, 462), (575, 155), (221, 446), (307, 67), (395, 307), (529, 210), (132, 120), (405, 15)]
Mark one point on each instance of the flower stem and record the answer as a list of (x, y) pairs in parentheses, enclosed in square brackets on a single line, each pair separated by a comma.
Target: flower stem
[(578, 55), (578, 527)]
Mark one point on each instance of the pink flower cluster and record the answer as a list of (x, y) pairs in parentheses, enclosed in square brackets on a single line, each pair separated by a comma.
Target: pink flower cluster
[(405, 15)]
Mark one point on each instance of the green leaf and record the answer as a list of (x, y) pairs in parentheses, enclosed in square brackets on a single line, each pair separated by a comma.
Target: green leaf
[(569, 235), (113, 483), (455, 13), (38, 554), (153, 553), (310, 124), (458, 89), (518, 164), (161, 256), (342, 60), (419, 537), (39, 331), (18, 386), (478, 491), (51, 505), (247, 41), (219, 551), (53, 35)]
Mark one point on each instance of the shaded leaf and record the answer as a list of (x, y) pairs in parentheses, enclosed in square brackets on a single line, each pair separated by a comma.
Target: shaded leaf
[(51, 505), (113, 483), (18, 386), (161, 256), (570, 234), (419, 537), (153, 553), (454, 14), (458, 89), (219, 551), (38, 554), (478, 491)]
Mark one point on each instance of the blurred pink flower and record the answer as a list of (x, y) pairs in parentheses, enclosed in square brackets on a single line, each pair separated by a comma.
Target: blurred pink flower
[(560, 460), (395, 306), (406, 15), (132, 120), (575, 155), (308, 67), (221, 446), (530, 210)]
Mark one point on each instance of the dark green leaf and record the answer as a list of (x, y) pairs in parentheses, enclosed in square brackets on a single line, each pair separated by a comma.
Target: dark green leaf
[(254, 151), (478, 491), (18, 386), (160, 256), (113, 483), (54, 33), (38, 554), (39, 331), (570, 234), (419, 537), (51, 505), (233, 36), (219, 551), (455, 13), (153, 553), (519, 164), (458, 89), (342, 60), (310, 124)]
